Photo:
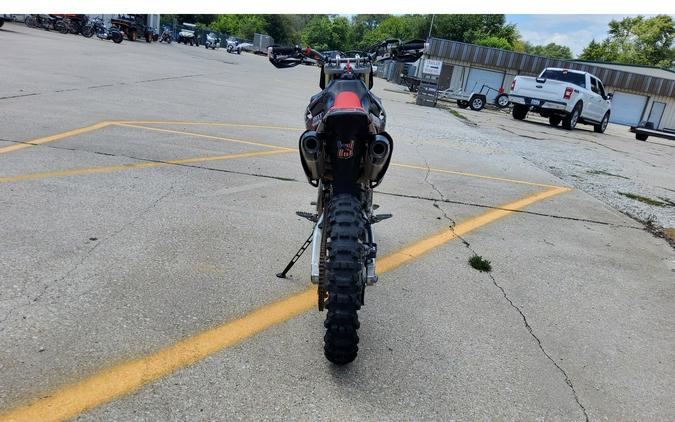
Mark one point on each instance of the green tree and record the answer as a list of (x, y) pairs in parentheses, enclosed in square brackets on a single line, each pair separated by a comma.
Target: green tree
[(496, 42), (242, 26), (404, 27), (471, 28), (317, 33), (552, 50), (636, 40)]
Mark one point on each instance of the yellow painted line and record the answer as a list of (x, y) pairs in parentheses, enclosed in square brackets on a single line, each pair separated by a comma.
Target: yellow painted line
[(202, 135), (479, 176), (188, 122), (123, 378), (120, 167), (55, 137), (421, 247)]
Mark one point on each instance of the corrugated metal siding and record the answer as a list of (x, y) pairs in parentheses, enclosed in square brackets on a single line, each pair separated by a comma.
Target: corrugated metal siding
[(533, 65), (668, 118)]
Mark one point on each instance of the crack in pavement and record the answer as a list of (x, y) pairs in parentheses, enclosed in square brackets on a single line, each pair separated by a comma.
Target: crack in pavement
[(82, 260), (568, 381), (526, 323), (57, 91), (492, 207)]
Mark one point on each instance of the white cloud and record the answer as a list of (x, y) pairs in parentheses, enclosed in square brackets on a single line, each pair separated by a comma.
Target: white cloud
[(574, 31), (575, 40)]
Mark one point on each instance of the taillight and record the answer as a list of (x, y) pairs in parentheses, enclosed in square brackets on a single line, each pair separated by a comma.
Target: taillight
[(513, 85), (568, 93)]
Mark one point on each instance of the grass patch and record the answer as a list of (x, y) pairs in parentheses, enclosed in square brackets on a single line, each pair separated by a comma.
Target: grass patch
[(606, 173), (670, 234), (477, 262), (643, 199), (456, 114)]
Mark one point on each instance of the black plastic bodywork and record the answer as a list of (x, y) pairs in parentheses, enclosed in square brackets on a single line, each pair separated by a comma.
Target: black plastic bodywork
[(337, 127)]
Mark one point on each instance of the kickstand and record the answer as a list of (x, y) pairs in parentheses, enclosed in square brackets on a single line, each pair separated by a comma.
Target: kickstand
[(297, 256)]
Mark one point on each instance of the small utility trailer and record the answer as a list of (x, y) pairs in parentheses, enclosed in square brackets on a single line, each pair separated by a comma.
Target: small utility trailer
[(645, 130), (475, 100)]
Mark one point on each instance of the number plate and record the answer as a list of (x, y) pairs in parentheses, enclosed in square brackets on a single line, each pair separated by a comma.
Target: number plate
[(535, 102)]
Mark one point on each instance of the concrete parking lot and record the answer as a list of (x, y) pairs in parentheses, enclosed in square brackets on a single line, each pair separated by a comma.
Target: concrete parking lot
[(634, 177), (148, 195)]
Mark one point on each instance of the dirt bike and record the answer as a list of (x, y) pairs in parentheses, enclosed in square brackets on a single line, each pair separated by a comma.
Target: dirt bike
[(345, 153)]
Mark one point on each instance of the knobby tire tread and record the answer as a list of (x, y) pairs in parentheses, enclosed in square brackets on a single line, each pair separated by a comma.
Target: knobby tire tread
[(345, 234)]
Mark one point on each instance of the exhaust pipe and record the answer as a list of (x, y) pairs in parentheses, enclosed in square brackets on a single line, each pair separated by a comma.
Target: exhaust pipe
[(310, 154), (379, 152)]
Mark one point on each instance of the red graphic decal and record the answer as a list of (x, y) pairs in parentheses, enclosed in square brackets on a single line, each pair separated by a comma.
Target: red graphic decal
[(345, 150)]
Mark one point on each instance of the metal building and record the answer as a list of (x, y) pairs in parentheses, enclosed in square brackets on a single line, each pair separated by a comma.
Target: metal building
[(641, 93)]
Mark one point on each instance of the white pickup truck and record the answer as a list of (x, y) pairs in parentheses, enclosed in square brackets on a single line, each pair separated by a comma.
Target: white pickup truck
[(562, 95)]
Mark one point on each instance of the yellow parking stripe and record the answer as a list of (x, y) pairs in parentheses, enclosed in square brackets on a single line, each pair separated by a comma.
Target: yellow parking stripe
[(421, 247), (194, 123), (109, 169), (202, 135), (479, 176), (55, 137), (123, 378)]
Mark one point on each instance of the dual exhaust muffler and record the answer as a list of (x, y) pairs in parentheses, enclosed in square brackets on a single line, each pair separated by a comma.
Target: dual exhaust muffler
[(376, 160)]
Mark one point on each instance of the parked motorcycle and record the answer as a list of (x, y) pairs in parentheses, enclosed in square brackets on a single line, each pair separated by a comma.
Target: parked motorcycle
[(166, 36), (151, 35), (96, 26), (40, 21), (345, 153), (212, 41)]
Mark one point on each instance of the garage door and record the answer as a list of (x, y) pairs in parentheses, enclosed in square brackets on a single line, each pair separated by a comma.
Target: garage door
[(478, 77), (627, 108)]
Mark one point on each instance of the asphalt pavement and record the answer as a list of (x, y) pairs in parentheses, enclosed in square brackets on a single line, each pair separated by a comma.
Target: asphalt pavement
[(148, 196)]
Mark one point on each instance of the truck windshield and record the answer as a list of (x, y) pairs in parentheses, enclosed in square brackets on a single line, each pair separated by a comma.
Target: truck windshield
[(571, 77)]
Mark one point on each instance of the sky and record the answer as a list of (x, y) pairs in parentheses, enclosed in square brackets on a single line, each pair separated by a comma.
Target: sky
[(574, 31)]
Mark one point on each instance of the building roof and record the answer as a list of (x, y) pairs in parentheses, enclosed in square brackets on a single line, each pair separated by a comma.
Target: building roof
[(628, 78), (633, 68)]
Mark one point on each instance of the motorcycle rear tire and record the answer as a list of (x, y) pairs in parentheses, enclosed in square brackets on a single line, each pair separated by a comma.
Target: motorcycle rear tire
[(30, 21), (61, 27), (116, 37), (344, 281), (88, 31)]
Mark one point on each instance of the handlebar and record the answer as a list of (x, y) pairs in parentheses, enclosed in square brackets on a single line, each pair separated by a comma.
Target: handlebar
[(393, 49), (283, 51), (412, 46)]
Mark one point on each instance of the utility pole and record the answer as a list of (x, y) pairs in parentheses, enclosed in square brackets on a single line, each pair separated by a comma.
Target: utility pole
[(431, 26)]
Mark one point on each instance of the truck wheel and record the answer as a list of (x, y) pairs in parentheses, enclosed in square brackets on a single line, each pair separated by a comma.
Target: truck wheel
[(570, 121), (603, 124), (554, 120), (641, 136), (519, 111), (477, 102), (502, 101), (462, 104), (132, 36)]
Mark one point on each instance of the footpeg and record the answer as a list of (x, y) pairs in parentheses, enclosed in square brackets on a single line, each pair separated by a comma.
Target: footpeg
[(379, 217), (311, 217)]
